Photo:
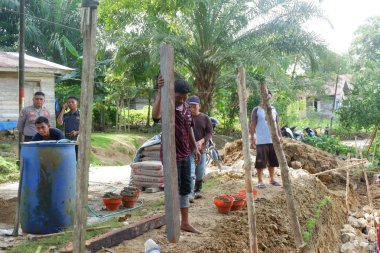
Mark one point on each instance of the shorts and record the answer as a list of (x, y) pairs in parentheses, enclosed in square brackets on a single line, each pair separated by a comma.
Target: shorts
[(265, 156)]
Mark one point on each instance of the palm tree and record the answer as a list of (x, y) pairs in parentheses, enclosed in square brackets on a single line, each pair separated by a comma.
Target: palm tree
[(215, 33), (48, 23)]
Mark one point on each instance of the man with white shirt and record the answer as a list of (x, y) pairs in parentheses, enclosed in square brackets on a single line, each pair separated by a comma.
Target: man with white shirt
[(261, 140)]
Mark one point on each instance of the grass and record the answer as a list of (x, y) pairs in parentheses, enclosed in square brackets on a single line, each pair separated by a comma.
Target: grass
[(5, 147), (312, 222), (120, 144), (8, 170), (212, 182), (61, 240), (101, 140)]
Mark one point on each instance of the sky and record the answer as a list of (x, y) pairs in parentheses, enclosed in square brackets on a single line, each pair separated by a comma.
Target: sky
[(345, 16)]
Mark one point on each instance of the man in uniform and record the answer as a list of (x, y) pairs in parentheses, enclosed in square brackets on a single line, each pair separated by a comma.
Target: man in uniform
[(28, 116)]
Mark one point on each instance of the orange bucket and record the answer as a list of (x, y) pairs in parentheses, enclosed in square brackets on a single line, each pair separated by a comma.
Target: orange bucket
[(224, 203), (239, 202)]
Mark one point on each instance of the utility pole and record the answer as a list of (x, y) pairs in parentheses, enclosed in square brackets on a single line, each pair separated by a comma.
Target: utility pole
[(168, 145), (334, 102), (21, 64), (87, 89)]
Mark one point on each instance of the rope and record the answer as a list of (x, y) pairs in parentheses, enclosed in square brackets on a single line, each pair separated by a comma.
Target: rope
[(139, 204)]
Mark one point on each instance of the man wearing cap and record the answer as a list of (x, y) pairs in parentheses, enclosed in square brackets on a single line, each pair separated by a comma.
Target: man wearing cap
[(202, 133), (185, 143)]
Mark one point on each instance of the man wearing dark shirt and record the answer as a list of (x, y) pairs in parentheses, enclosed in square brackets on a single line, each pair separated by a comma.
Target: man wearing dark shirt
[(45, 132), (70, 120), (184, 140), (202, 134)]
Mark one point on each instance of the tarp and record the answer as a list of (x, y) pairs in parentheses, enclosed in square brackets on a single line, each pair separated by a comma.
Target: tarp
[(8, 125)]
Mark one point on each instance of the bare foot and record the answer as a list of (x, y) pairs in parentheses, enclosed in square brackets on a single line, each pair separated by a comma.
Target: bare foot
[(189, 228)]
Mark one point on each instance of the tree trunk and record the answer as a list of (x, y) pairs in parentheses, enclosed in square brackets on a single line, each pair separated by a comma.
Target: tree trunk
[(148, 118), (101, 111), (117, 115), (205, 88), (129, 108), (283, 166)]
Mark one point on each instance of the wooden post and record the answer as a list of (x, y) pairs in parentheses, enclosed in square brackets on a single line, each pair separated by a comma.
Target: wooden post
[(367, 184), (292, 210), (373, 137), (168, 145), (87, 87), (240, 79), (356, 147), (348, 183), (21, 69)]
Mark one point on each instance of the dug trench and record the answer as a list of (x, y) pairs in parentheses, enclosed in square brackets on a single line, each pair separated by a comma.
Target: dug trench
[(229, 232)]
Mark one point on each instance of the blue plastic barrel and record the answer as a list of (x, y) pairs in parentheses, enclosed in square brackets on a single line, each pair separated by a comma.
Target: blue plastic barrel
[(48, 187)]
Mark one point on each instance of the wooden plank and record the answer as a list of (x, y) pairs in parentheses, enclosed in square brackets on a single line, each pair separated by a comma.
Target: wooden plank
[(253, 248), (292, 210), (87, 88), (117, 236), (168, 144)]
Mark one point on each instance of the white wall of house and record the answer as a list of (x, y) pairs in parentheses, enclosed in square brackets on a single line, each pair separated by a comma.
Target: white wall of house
[(33, 82)]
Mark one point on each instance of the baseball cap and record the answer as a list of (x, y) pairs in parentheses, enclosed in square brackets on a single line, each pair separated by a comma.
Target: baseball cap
[(194, 100)]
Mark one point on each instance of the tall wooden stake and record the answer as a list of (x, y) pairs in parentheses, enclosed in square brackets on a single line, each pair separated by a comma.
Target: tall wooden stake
[(168, 145), (369, 194), (87, 88), (373, 137), (240, 79), (21, 67), (283, 166), (348, 183)]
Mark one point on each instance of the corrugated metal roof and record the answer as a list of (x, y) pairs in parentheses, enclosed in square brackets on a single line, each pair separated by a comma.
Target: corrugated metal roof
[(9, 62)]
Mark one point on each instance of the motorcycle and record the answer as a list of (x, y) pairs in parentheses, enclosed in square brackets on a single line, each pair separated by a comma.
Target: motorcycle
[(287, 132), (298, 134), (291, 132)]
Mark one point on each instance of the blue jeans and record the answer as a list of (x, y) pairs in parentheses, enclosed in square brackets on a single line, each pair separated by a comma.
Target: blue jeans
[(198, 171), (184, 182)]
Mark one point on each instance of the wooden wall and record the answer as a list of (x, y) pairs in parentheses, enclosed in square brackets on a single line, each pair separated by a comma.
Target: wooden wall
[(33, 82)]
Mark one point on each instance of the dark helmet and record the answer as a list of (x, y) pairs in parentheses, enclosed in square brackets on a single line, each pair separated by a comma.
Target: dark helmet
[(214, 122)]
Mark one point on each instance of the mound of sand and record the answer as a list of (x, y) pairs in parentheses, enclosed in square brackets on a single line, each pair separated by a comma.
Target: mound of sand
[(310, 158), (229, 233), (298, 155)]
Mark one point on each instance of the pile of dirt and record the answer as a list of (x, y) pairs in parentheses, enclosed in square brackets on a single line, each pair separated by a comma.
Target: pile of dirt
[(233, 152), (229, 233), (298, 155), (7, 210), (312, 159)]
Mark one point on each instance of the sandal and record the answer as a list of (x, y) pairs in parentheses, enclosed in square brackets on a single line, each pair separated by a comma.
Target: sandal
[(261, 186), (275, 183)]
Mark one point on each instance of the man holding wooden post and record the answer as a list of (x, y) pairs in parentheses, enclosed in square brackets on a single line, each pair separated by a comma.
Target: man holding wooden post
[(184, 144), (265, 154)]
